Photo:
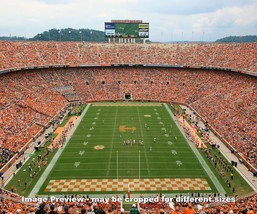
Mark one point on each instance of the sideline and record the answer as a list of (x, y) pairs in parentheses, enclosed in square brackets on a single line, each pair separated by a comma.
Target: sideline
[(209, 172), (56, 157), (241, 168)]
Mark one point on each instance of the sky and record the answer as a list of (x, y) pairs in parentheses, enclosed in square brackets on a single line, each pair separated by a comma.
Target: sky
[(169, 20)]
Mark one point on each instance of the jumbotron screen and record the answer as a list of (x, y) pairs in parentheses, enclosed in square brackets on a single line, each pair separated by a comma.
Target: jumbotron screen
[(123, 30)]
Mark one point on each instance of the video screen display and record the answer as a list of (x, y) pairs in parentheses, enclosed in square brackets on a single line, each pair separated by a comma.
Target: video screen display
[(131, 30)]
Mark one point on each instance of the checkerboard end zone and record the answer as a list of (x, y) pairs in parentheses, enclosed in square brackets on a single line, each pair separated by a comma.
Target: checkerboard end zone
[(113, 185)]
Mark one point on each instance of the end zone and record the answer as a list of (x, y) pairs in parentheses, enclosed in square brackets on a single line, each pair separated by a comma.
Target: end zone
[(113, 185)]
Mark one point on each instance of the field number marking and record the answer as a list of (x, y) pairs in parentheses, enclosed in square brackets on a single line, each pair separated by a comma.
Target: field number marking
[(170, 143), (179, 163), (76, 164), (81, 153), (174, 152)]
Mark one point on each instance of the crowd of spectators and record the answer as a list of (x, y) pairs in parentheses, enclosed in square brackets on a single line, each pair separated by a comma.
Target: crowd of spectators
[(5, 156), (227, 100), (26, 105), (12, 203), (29, 99), (232, 113), (21, 54)]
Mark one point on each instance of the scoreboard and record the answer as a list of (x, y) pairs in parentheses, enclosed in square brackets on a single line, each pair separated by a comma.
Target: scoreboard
[(126, 30)]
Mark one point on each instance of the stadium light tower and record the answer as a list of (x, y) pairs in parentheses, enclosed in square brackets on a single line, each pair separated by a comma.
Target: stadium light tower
[(80, 32), (60, 32), (70, 34)]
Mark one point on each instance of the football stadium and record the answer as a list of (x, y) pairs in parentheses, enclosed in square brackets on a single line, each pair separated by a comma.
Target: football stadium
[(160, 127)]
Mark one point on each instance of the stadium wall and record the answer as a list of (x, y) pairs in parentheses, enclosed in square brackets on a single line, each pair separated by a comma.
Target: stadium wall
[(129, 65)]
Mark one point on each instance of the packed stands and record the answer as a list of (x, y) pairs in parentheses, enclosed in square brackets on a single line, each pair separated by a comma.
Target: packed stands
[(12, 203), (30, 99), (27, 106), (34, 97), (22, 54)]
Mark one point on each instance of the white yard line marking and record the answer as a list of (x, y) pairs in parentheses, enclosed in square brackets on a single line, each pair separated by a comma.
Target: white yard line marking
[(110, 157), (209, 172), (56, 157), (147, 164)]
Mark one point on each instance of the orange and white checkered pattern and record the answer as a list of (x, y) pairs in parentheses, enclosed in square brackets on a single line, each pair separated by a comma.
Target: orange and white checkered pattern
[(111, 185)]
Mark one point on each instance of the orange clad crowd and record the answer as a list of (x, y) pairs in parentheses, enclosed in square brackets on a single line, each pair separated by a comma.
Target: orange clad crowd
[(21, 54), (12, 203), (26, 106), (30, 99)]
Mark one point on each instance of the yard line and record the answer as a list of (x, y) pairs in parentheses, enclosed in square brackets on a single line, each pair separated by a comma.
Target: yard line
[(122, 147), (130, 176), (110, 158), (147, 164), (154, 169), (56, 156), (208, 171), (169, 162)]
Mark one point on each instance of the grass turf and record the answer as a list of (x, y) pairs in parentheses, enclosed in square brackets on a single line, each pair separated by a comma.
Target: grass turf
[(158, 163), (238, 182), (24, 174)]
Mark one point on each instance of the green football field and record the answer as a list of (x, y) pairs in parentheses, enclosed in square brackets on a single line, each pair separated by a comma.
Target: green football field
[(97, 153)]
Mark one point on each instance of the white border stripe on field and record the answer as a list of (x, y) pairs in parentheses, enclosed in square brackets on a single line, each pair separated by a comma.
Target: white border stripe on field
[(209, 172), (110, 156), (56, 157), (146, 158)]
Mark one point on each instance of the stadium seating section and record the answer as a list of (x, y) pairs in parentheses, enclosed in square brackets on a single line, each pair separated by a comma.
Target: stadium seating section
[(22, 54), (11, 203), (30, 99)]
